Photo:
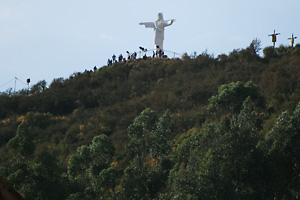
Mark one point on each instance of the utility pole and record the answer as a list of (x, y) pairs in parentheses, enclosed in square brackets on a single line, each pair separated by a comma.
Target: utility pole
[(15, 84), (28, 81), (292, 40), (274, 37)]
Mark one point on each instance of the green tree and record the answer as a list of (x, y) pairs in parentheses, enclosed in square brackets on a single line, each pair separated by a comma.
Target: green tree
[(101, 151), (159, 143), (251, 53), (79, 162), (143, 125), (48, 183), (148, 134), (108, 181), (134, 184), (283, 155), (270, 53), (22, 145), (222, 161), (231, 96), (4, 105), (21, 175), (139, 131), (85, 167), (39, 87)]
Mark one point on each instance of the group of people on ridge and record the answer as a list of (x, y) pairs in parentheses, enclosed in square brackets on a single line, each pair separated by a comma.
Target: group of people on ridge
[(156, 54)]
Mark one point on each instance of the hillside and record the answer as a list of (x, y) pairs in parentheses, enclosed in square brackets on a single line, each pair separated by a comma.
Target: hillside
[(224, 127)]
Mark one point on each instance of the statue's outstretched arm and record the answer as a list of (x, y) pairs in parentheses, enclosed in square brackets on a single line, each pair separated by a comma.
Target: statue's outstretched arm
[(147, 24), (169, 22)]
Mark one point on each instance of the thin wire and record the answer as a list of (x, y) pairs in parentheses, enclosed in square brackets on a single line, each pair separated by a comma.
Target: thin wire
[(14, 79), (21, 81), (7, 82)]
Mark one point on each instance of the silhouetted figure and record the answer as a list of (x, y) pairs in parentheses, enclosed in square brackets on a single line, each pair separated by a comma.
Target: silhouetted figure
[(120, 57), (128, 55), (109, 62), (134, 55), (114, 58)]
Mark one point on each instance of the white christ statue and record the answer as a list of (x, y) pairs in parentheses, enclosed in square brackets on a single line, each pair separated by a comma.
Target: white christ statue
[(159, 28)]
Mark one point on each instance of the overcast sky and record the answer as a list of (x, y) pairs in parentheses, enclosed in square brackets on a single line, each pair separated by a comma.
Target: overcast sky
[(47, 39)]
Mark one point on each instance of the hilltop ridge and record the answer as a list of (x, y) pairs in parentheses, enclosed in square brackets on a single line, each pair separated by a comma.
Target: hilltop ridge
[(145, 129)]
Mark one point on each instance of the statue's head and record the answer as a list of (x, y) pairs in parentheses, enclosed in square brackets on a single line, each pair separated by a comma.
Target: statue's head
[(160, 16)]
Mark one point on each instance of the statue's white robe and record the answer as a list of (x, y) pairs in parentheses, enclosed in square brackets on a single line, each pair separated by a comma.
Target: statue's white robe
[(159, 28)]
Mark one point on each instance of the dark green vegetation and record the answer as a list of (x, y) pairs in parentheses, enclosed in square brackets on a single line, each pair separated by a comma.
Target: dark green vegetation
[(203, 128)]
